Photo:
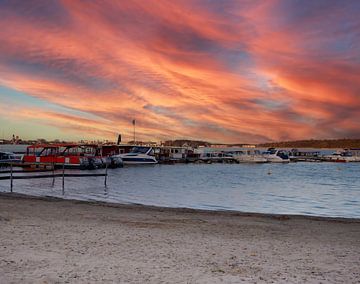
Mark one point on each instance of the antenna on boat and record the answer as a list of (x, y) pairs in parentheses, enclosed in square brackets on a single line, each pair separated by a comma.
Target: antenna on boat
[(134, 123)]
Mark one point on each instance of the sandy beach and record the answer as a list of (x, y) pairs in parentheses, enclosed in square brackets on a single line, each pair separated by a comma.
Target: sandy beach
[(57, 241)]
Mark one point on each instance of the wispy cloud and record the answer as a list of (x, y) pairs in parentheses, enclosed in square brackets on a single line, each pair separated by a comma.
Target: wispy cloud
[(218, 70)]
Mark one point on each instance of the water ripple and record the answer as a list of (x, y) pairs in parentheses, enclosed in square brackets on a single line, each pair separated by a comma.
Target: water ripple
[(318, 189)]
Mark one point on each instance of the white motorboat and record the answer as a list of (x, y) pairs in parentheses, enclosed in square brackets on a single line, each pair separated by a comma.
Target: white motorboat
[(249, 156), (276, 156), (9, 158), (139, 155)]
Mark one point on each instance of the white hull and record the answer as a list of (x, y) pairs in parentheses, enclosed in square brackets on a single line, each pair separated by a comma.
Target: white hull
[(276, 156), (337, 158), (276, 159), (137, 159), (139, 162), (250, 159)]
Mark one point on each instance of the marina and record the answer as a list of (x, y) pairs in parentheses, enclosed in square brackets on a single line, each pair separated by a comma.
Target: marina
[(301, 182), (94, 156)]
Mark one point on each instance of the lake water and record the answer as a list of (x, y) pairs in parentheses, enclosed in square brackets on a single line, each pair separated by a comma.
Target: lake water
[(319, 189)]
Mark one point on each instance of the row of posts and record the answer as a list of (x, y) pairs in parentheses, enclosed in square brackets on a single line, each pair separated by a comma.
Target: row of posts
[(53, 181)]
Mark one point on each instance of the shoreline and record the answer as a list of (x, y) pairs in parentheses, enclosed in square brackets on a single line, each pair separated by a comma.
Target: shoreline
[(51, 240), (14, 195)]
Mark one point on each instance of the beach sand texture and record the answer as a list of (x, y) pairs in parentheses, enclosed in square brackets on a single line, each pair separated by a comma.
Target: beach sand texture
[(58, 241)]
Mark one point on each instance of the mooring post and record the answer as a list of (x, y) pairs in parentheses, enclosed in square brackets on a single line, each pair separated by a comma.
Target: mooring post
[(11, 178), (53, 172), (63, 179), (106, 166)]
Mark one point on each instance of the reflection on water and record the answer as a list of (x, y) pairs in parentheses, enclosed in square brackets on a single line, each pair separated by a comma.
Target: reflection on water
[(321, 189)]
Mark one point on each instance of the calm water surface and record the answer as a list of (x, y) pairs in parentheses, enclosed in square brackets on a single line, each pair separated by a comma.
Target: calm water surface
[(320, 189)]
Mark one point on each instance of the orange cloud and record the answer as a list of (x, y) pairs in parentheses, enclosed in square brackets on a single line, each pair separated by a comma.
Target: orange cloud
[(220, 71)]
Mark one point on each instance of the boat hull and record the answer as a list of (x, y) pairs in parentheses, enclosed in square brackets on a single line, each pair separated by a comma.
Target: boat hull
[(251, 159), (139, 161), (277, 160)]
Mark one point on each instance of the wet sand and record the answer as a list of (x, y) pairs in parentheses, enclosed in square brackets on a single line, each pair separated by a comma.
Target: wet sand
[(57, 241)]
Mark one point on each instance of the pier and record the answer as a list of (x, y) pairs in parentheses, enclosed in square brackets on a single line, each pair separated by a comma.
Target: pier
[(13, 175)]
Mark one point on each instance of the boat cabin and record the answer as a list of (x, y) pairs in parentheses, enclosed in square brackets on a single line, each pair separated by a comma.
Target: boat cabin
[(41, 154)]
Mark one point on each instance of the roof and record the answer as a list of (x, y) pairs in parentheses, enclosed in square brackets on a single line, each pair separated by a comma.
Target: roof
[(43, 146), (58, 145)]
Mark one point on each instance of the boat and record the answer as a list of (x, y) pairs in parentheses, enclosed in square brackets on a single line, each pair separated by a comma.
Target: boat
[(109, 154), (139, 155), (85, 156), (172, 154), (7, 158), (216, 157), (341, 157), (304, 156), (249, 156), (273, 155), (40, 154), (70, 156)]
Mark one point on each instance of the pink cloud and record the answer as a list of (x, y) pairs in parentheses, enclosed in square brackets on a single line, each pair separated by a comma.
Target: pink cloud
[(224, 72)]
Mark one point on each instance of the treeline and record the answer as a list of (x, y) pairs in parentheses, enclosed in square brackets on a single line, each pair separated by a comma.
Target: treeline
[(329, 143)]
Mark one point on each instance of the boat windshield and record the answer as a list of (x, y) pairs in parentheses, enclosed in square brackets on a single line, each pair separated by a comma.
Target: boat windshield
[(140, 150), (346, 154), (48, 152)]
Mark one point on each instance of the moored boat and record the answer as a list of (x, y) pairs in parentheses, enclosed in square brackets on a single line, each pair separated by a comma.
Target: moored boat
[(273, 155), (84, 156), (40, 154), (139, 155), (341, 157), (216, 157), (7, 158), (304, 156), (70, 156), (249, 156)]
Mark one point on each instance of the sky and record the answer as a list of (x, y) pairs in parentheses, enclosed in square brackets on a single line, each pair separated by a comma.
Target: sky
[(221, 71)]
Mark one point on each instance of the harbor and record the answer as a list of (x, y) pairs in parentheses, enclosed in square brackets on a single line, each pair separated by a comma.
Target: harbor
[(95, 156), (244, 179)]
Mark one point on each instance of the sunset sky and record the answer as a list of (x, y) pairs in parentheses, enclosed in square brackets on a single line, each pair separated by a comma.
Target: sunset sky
[(222, 71)]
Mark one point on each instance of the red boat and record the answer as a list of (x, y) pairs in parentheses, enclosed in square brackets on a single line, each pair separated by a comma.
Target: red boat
[(41, 154), (80, 156), (68, 155)]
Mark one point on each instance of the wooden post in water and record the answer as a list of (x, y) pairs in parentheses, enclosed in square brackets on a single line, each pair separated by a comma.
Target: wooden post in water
[(106, 166), (53, 172), (63, 179), (11, 178)]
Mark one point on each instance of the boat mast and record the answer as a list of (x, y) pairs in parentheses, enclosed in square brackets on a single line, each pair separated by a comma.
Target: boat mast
[(134, 122)]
